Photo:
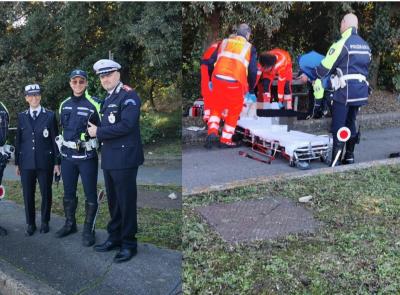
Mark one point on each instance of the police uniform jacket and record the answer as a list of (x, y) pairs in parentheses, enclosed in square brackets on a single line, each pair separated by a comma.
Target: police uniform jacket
[(4, 121), (75, 113), (121, 145), (352, 55), (35, 146)]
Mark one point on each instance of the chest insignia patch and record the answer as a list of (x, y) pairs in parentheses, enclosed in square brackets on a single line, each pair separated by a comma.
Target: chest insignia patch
[(111, 118), (45, 133)]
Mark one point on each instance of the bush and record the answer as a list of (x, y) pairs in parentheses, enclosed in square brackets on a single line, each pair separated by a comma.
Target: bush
[(155, 127)]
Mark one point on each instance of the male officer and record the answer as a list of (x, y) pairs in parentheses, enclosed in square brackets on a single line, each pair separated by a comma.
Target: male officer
[(348, 59), (4, 121), (36, 156), (121, 155), (79, 155)]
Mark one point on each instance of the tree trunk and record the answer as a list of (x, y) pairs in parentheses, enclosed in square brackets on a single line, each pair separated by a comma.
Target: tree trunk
[(376, 62), (213, 24), (151, 98)]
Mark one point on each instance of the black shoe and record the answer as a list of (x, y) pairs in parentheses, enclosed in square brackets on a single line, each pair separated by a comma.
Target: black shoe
[(211, 140), (30, 230), (107, 246), (125, 254), (44, 228)]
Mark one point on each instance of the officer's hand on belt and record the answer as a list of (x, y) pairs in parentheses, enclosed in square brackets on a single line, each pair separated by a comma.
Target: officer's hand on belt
[(92, 129)]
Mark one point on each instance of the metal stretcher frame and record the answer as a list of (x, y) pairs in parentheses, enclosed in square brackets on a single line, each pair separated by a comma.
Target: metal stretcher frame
[(272, 148)]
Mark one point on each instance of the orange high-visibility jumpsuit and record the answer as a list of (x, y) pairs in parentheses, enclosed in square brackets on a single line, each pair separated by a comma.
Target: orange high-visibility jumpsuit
[(230, 83), (283, 70)]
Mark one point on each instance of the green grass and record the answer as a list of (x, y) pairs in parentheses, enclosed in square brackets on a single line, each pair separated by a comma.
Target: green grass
[(166, 149), (355, 251), (159, 227)]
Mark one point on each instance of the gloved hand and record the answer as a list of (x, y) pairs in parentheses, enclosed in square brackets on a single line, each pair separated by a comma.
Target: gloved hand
[(210, 86), (250, 97), (281, 105), (318, 89)]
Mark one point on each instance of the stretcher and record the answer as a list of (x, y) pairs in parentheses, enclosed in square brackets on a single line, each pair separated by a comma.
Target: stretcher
[(273, 140)]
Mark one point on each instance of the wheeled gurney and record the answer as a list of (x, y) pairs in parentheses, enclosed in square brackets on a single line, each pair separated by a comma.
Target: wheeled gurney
[(270, 140)]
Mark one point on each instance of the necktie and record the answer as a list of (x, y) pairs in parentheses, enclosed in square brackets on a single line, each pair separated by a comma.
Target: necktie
[(34, 115)]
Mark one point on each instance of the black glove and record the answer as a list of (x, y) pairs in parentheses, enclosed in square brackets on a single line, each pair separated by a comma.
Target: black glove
[(317, 113)]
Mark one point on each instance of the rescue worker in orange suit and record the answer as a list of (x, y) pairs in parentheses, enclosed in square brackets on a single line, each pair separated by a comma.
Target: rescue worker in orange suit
[(206, 72), (233, 80), (277, 62)]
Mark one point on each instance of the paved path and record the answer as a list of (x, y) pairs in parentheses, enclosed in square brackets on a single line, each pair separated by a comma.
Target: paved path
[(203, 169), (44, 262), (163, 173)]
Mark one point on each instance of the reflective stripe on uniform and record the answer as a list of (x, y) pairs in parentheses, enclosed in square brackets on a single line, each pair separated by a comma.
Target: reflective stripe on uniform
[(241, 57), (357, 99), (335, 50), (229, 128), (214, 119)]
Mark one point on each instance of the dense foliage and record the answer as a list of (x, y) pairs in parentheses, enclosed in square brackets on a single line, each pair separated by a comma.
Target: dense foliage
[(43, 41), (295, 26)]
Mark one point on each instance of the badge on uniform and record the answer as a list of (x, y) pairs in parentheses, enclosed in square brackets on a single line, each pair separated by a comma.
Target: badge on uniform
[(45, 133), (111, 118)]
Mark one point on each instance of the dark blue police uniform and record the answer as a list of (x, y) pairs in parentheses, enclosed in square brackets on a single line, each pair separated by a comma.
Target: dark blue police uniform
[(4, 121), (121, 155), (348, 60), (36, 153), (79, 157)]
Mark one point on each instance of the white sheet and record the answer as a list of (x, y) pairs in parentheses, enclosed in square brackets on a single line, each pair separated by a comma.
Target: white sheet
[(290, 140)]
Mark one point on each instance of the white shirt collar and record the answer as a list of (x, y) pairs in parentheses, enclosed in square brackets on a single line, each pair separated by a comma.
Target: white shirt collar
[(38, 109)]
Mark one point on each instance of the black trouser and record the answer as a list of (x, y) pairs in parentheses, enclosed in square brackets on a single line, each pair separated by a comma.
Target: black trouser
[(122, 195), (45, 179), (88, 169)]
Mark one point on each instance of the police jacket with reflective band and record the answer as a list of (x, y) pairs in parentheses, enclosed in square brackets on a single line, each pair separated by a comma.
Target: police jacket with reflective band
[(75, 113), (4, 121), (236, 59), (35, 146), (121, 144), (352, 55)]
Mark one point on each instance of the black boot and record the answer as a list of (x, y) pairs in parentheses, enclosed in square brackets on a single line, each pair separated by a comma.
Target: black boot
[(349, 155), (337, 146), (3, 231), (70, 222), (88, 235)]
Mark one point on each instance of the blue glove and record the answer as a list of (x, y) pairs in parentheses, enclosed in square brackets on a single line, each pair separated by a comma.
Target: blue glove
[(281, 105), (210, 85), (250, 97)]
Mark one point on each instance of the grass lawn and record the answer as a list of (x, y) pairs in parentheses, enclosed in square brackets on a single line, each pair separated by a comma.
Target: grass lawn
[(159, 227), (355, 251)]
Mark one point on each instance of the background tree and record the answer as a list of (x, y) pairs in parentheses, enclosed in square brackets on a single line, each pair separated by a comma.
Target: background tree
[(43, 41), (295, 26)]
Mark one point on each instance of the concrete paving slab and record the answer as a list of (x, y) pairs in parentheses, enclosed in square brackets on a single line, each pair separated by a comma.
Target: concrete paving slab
[(159, 200), (265, 219), (224, 168), (68, 267)]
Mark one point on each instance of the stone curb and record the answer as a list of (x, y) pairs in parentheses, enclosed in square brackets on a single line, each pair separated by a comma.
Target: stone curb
[(366, 121), (290, 175), (14, 282)]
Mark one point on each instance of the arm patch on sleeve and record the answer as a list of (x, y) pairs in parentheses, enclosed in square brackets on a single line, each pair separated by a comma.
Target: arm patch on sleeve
[(130, 101)]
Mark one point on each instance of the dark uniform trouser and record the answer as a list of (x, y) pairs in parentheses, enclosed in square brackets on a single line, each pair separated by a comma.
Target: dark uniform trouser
[(122, 194), (45, 179), (344, 115), (88, 169)]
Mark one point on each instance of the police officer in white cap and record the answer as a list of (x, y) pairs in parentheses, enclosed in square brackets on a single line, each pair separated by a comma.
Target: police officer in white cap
[(36, 156), (121, 155)]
